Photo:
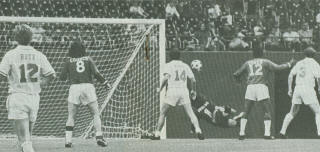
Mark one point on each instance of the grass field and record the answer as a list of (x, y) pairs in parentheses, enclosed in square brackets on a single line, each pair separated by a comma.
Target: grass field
[(172, 145)]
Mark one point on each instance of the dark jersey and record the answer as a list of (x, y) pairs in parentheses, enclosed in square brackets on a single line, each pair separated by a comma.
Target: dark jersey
[(201, 103), (258, 70), (79, 70)]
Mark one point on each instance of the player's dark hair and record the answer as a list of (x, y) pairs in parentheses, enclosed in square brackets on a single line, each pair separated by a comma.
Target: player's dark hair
[(23, 34), (175, 55), (77, 50), (309, 52), (257, 50)]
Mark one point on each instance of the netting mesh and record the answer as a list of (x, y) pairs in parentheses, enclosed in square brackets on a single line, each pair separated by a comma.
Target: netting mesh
[(134, 105)]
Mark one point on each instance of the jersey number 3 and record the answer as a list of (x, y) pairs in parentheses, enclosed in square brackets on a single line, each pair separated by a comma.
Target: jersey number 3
[(80, 66), (29, 72), (255, 69)]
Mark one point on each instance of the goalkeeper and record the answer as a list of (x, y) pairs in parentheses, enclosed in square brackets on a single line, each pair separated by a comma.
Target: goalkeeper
[(221, 116)]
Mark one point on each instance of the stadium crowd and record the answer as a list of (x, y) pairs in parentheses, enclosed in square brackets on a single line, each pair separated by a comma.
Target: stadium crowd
[(212, 25)]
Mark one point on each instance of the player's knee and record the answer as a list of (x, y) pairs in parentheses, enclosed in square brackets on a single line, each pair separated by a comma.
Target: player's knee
[(267, 116), (245, 115)]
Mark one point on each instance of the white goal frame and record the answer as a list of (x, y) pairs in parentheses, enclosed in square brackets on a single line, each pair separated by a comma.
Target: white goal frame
[(162, 43)]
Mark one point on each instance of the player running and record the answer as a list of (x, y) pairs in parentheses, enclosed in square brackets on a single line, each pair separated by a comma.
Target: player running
[(175, 75), (258, 71), (81, 70), (220, 116), (307, 71), (26, 70)]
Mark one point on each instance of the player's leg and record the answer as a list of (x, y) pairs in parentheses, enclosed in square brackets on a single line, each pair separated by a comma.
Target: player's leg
[(288, 118), (194, 120), (21, 126), (72, 111), (316, 109), (163, 113), (248, 104), (93, 107), (267, 107)]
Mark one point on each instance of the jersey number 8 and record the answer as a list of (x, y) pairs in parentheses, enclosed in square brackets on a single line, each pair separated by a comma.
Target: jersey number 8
[(80, 66)]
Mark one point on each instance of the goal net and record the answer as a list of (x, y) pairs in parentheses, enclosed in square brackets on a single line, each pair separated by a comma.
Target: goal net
[(128, 52)]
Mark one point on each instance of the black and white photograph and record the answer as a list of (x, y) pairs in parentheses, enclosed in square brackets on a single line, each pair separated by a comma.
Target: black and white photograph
[(159, 75)]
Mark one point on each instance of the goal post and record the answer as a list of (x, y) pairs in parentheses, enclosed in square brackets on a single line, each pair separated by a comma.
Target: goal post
[(130, 53)]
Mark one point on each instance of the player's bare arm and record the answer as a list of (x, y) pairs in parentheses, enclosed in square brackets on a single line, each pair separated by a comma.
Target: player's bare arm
[(237, 75), (164, 82), (98, 75), (276, 67), (290, 80), (47, 79)]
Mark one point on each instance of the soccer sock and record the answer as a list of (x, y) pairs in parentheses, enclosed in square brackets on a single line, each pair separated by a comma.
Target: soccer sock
[(69, 130), (27, 146), (267, 127), (287, 119), (243, 123), (317, 117)]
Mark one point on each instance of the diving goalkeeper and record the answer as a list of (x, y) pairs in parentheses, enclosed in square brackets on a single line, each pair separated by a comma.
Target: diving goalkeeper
[(220, 116)]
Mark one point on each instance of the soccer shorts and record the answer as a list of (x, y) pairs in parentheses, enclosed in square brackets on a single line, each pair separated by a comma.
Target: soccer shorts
[(83, 93), (303, 94), (177, 96), (23, 106), (257, 92)]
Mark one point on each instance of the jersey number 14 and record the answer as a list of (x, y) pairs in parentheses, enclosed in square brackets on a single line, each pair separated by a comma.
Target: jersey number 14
[(181, 76)]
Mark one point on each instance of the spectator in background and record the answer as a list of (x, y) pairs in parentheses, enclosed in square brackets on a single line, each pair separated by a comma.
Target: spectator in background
[(318, 18), (238, 43), (215, 44), (291, 39), (171, 11), (214, 13), (305, 36), (203, 36), (273, 40), (38, 33), (137, 11)]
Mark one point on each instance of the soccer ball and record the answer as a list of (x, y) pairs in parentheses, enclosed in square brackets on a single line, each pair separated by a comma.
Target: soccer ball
[(196, 65)]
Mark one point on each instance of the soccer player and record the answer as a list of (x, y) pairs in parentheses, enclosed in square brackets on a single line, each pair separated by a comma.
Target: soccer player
[(26, 70), (307, 71), (258, 71), (175, 75), (81, 71), (220, 116)]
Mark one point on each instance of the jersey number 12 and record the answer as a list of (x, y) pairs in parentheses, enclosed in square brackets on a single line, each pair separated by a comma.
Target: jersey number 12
[(29, 72), (255, 69)]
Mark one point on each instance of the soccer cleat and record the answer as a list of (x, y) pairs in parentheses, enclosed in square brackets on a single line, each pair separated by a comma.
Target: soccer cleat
[(242, 137), (283, 136), (200, 136), (155, 138), (68, 145), (102, 142), (268, 137)]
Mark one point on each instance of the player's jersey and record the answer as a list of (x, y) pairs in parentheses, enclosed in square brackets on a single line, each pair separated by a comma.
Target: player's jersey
[(201, 103), (178, 73), (258, 71), (24, 66), (306, 71), (79, 70)]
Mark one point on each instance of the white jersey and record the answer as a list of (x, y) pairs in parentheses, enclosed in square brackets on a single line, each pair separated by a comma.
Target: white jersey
[(178, 73), (306, 71), (24, 66)]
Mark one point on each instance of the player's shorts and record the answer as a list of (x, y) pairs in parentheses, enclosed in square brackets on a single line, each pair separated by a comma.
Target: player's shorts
[(23, 106), (257, 92), (303, 94), (83, 93), (177, 96)]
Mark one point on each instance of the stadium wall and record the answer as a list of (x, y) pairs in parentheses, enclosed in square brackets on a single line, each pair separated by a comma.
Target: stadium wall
[(216, 82)]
